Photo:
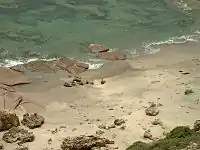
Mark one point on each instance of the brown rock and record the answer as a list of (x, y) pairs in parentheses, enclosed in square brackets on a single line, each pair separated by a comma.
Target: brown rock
[(119, 122), (152, 110), (10, 77), (197, 125), (96, 48), (32, 120), (84, 142), (40, 66), (8, 120), (16, 134), (115, 55), (72, 66)]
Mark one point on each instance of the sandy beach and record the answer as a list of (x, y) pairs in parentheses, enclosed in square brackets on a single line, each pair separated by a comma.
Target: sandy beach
[(130, 86)]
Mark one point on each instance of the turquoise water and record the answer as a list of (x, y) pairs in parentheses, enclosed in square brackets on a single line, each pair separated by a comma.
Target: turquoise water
[(37, 28)]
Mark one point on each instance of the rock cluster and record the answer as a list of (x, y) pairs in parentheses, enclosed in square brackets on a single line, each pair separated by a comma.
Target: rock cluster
[(19, 135), (8, 120), (77, 81), (84, 142), (32, 120)]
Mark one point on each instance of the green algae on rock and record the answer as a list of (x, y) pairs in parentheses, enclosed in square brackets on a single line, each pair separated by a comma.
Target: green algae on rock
[(179, 138)]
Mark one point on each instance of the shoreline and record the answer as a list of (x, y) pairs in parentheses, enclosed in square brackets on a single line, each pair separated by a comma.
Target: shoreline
[(130, 86)]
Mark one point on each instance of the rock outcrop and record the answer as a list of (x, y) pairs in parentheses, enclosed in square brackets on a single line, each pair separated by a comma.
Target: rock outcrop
[(11, 77), (32, 120), (65, 64), (84, 143), (8, 120), (18, 135)]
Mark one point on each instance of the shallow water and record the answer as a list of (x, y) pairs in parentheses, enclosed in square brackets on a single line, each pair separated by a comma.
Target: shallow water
[(39, 28)]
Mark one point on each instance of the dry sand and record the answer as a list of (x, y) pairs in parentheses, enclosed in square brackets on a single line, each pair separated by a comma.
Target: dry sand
[(130, 86)]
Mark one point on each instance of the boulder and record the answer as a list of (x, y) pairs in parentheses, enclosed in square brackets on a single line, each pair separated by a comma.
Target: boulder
[(119, 122), (152, 110), (115, 55), (8, 120), (19, 135), (11, 77), (97, 48), (32, 120), (84, 142)]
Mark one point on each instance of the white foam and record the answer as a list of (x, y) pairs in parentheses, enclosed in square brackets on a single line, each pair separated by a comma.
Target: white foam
[(151, 48), (182, 5), (94, 66), (11, 63)]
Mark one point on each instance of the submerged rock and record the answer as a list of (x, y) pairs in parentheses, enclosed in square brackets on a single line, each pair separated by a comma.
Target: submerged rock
[(84, 143), (32, 120), (8, 120), (152, 110), (19, 135), (96, 48)]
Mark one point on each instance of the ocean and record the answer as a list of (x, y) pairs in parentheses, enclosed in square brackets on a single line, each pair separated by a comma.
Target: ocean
[(50, 29)]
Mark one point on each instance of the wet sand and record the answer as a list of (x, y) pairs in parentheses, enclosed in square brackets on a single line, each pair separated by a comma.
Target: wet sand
[(130, 86)]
